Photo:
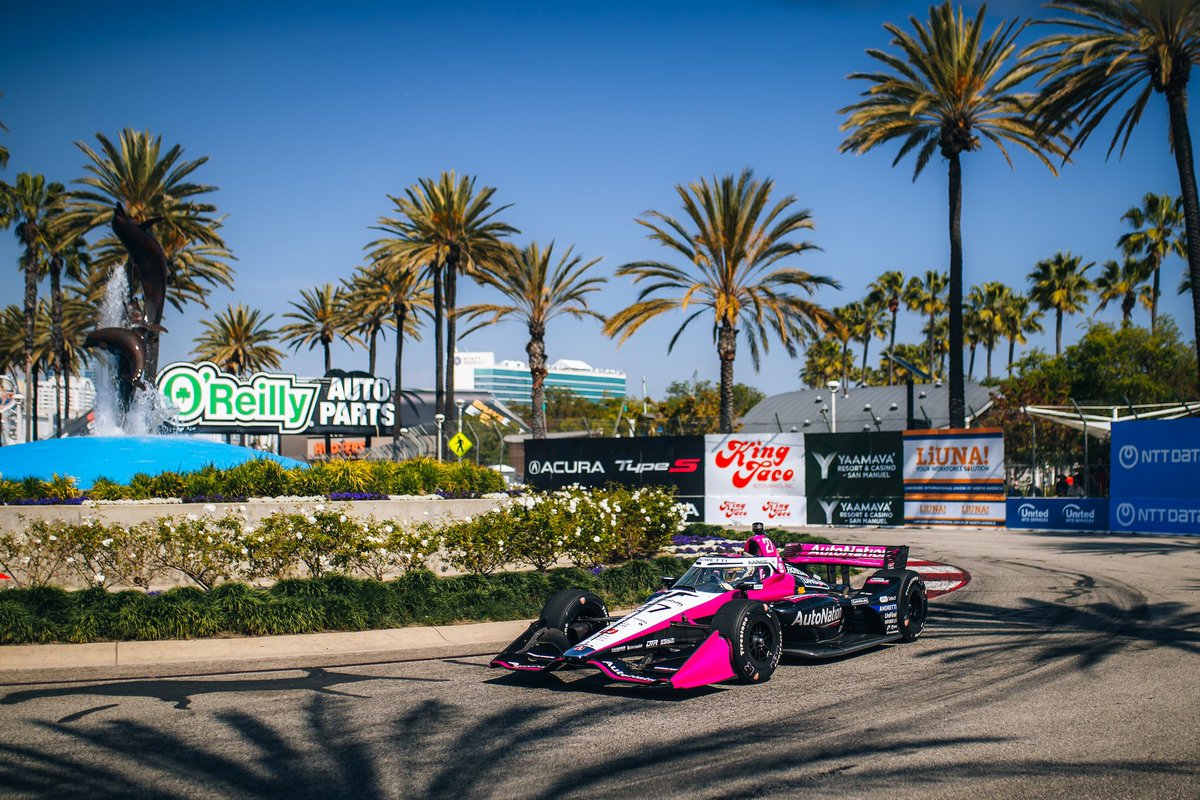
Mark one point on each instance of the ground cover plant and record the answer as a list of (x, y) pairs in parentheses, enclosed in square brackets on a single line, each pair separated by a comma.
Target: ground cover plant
[(340, 479)]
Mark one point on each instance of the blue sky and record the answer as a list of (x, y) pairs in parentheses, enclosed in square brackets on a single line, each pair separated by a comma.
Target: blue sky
[(582, 115)]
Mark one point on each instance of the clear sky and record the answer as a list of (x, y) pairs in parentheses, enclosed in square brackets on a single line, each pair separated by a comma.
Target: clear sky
[(582, 115)]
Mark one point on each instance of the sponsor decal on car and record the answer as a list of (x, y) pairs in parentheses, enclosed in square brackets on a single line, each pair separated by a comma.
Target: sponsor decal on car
[(820, 616)]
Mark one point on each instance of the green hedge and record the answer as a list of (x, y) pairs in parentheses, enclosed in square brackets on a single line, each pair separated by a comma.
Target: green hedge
[(266, 478), (327, 603)]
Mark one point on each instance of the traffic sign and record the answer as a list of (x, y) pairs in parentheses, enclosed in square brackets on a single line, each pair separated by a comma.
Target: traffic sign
[(460, 444)]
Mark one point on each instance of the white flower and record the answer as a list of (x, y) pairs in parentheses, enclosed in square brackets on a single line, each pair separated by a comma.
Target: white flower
[(245, 552), (467, 518), (70, 559), (388, 529), (319, 506), (209, 507), (299, 535), (192, 517), (342, 518), (100, 577), (53, 538), (596, 539), (106, 542)]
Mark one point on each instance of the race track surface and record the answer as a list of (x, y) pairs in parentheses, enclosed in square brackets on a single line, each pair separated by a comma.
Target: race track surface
[(1067, 667)]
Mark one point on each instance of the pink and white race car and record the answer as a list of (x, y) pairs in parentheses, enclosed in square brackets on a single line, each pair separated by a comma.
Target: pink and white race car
[(732, 617)]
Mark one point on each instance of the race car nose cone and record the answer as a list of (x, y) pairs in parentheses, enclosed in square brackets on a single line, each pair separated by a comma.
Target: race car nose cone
[(579, 652)]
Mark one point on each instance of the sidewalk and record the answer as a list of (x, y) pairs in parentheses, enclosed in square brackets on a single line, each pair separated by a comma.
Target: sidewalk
[(25, 662)]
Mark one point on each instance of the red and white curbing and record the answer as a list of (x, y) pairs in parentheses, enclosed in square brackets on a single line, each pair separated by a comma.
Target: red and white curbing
[(940, 578)]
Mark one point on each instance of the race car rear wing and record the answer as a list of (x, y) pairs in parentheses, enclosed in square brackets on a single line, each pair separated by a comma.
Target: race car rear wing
[(875, 556)]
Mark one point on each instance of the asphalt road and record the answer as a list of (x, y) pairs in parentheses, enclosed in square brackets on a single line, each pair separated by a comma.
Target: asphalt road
[(1067, 668)]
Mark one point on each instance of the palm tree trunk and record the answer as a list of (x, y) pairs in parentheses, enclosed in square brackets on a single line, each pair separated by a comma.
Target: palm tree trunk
[(328, 366), (56, 334), (1154, 298), (536, 350), (971, 363), (1012, 344), (845, 361), (1181, 138), (451, 334), (989, 346), (958, 395), (931, 332), (1058, 332), (34, 401), (862, 379), (371, 337), (727, 352), (30, 267), (439, 343), (892, 351), (397, 398)]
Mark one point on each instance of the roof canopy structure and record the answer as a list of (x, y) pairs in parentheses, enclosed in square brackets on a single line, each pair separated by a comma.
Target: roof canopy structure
[(863, 408), (1098, 420)]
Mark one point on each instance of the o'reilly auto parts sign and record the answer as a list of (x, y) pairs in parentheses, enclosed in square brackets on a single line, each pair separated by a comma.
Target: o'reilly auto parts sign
[(648, 461), (854, 478)]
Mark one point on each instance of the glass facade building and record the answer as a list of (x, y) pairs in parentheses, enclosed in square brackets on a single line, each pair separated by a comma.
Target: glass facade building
[(510, 382)]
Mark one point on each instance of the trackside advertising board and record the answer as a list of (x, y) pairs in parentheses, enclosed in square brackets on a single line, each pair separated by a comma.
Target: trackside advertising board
[(954, 477), (1156, 476), (1058, 513), (754, 477), (646, 461), (854, 478)]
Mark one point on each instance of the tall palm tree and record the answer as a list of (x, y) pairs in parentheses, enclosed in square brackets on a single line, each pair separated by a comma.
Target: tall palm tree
[(866, 323), (889, 289), (990, 304), (410, 295), (1125, 282), (152, 184), (446, 227), (927, 296), (1110, 49), (79, 318), (1019, 319), (538, 290), (67, 253), (824, 360), (366, 307), (937, 332), (974, 328), (1156, 234), (30, 204), (319, 320), (844, 318), (239, 341), (731, 269), (947, 88), (1060, 283)]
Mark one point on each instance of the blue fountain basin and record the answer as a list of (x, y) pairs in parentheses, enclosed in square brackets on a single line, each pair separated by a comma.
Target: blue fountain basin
[(119, 458)]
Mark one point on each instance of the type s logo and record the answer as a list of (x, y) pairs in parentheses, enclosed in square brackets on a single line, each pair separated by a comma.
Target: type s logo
[(685, 465)]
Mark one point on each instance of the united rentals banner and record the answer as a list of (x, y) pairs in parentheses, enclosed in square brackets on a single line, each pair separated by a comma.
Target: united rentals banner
[(954, 477), (854, 478), (646, 461), (754, 478), (1058, 513), (1156, 476)]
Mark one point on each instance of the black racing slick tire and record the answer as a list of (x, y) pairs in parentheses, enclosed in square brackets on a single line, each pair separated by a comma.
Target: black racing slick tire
[(912, 607), (754, 637), (578, 614)]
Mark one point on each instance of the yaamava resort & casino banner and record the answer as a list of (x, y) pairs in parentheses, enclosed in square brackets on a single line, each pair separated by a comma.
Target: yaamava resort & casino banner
[(754, 477), (954, 477), (854, 478), (1156, 476)]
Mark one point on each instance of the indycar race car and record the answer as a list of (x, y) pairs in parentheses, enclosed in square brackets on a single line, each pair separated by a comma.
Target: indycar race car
[(732, 617)]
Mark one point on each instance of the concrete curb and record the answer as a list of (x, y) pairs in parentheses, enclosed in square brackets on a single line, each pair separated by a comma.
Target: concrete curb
[(20, 658)]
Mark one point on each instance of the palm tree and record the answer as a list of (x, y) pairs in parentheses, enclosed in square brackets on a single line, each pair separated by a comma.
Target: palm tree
[(824, 360), (927, 296), (844, 318), (1113, 48), (947, 88), (539, 291), (937, 332), (1060, 283), (1125, 282), (3, 149), (239, 341), (445, 227), (67, 253), (410, 294), (1155, 235), (319, 320), (367, 308), (866, 323), (889, 289), (974, 329), (30, 204), (1018, 319), (736, 239), (152, 185), (990, 304)]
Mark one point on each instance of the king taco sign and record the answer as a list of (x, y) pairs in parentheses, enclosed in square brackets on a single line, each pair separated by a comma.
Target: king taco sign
[(761, 475)]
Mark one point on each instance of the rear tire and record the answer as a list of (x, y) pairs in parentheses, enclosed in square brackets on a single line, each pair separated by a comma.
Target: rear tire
[(576, 613), (754, 637), (912, 607)]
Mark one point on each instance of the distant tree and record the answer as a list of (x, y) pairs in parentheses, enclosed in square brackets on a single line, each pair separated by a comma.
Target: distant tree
[(865, 319), (694, 407), (1157, 233), (1111, 363), (239, 341), (824, 360), (927, 296), (1125, 282), (1018, 318), (732, 272), (945, 88), (1060, 283), (888, 290), (319, 320), (989, 303)]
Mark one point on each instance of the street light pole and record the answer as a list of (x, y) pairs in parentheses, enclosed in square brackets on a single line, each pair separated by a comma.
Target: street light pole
[(438, 420), (833, 390)]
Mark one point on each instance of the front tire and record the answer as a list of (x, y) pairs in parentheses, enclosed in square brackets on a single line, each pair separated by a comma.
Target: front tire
[(912, 607), (754, 637), (576, 613)]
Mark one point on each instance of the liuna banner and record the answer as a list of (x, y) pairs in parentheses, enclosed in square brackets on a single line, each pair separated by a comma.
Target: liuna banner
[(1155, 484), (754, 478), (954, 477), (644, 461), (854, 478)]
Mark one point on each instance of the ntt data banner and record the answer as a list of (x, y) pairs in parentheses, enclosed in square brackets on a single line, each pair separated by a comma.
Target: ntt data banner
[(1058, 513), (1156, 476), (754, 478), (954, 477), (854, 478), (646, 461)]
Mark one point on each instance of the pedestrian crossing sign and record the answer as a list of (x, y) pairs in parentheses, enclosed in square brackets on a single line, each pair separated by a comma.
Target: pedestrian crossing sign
[(460, 444)]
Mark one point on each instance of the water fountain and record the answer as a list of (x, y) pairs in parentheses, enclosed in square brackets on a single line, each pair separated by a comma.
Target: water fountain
[(133, 423)]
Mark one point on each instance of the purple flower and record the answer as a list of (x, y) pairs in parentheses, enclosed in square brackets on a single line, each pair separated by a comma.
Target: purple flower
[(356, 496), (596, 570)]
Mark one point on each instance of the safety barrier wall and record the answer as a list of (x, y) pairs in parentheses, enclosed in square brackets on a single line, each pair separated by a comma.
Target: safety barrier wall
[(1156, 476)]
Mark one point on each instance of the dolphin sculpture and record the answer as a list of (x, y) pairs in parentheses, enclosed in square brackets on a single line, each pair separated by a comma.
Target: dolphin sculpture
[(130, 348), (138, 321), (148, 260)]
